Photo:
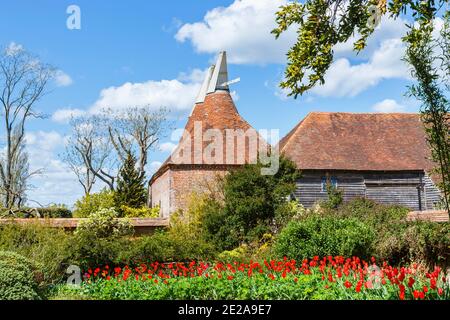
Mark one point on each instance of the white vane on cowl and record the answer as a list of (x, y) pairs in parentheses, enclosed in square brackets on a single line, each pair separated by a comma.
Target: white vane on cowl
[(225, 84)]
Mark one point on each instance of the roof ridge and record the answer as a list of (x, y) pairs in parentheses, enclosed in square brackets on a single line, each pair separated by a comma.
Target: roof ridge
[(362, 113)]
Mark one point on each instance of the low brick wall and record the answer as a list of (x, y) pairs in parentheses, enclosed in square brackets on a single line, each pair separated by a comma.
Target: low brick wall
[(429, 215), (141, 225)]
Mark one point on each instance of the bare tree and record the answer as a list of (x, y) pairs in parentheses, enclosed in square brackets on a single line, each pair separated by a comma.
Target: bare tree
[(99, 144), (75, 161), (23, 80), (136, 130), (88, 152), (20, 173)]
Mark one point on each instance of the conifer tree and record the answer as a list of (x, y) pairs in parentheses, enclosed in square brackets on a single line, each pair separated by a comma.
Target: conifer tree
[(130, 190)]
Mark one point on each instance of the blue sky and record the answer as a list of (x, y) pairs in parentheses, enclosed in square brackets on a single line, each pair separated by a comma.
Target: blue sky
[(155, 52)]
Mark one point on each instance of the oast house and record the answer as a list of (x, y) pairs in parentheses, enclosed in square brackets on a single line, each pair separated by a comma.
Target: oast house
[(379, 156)]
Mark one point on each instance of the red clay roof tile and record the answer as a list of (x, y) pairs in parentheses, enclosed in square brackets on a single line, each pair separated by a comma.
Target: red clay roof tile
[(358, 141)]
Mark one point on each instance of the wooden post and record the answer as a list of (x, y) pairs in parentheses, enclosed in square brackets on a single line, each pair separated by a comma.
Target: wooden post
[(419, 192)]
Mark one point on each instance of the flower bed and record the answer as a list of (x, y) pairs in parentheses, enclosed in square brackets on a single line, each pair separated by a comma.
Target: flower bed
[(327, 278)]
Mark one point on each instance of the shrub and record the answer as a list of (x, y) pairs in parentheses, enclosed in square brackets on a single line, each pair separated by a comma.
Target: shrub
[(93, 202), (156, 247), (335, 197), (286, 212), (164, 246), (184, 240), (144, 212), (421, 241), (240, 253), (322, 236), (102, 239), (17, 277), (399, 241), (55, 212), (103, 224), (251, 201), (189, 222), (50, 248), (376, 214), (215, 229), (189, 239)]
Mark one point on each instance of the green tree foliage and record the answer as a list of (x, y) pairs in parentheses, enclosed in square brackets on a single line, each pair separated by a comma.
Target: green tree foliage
[(17, 277), (91, 203), (251, 205), (104, 224), (130, 190), (323, 236), (324, 24), (49, 248), (101, 239), (432, 91), (365, 228), (335, 197)]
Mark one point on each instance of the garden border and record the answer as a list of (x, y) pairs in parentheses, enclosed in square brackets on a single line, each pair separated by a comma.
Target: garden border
[(141, 225)]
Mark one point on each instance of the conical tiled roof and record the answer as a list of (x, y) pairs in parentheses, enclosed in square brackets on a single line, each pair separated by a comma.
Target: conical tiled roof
[(214, 109)]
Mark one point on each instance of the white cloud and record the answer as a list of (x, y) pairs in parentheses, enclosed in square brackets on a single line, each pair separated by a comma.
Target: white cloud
[(62, 79), (195, 76), (177, 94), (234, 95), (243, 29), (382, 59), (389, 28), (154, 166), (64, 115), (388, 105), (13, 48), (167, 147), (57, 183), (344, 79), (282, 93), (44, 140)]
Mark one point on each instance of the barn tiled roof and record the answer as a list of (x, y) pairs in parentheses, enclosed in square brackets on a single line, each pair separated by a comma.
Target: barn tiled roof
[(358, 141)]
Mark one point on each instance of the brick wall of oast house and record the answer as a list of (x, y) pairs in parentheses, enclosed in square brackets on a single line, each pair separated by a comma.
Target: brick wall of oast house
[(160, 190), (173, 189), (194, 180)]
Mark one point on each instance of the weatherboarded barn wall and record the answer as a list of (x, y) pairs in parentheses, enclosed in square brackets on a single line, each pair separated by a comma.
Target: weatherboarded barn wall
[(410, 189), (380, 156)]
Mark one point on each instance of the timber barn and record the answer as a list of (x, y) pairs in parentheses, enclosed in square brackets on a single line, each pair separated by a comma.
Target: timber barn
[(379, 156)]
